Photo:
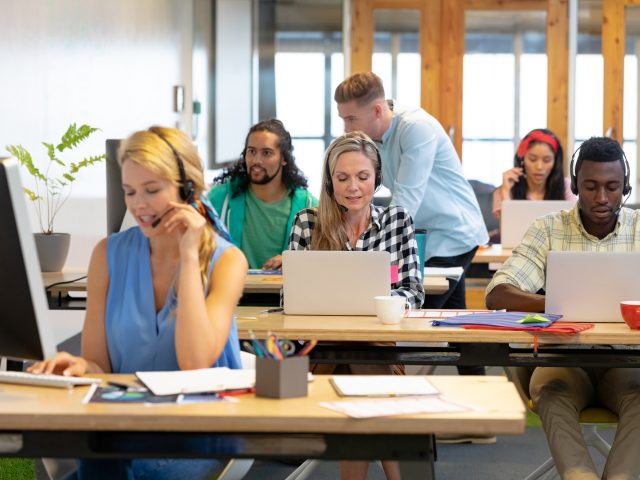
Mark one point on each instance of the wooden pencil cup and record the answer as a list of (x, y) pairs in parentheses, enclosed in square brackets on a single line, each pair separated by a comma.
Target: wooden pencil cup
[(284, 378)]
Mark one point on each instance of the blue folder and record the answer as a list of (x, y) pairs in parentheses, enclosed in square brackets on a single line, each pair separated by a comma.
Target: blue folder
[(498, 319)]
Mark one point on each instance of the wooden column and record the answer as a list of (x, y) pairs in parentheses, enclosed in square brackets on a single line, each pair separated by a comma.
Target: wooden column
[(430, 57), (613, 57), (558, 70), (361, 35), (452, 55)]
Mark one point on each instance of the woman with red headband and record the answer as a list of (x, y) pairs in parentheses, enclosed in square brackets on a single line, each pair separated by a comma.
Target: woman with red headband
[(537, 172)]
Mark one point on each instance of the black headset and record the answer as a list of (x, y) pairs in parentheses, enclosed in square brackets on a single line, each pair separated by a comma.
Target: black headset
[(327, 173), (186, 189), (626, 189)]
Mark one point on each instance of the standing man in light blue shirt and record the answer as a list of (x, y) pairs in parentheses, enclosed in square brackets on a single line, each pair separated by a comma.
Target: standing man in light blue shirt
[(422, 170)]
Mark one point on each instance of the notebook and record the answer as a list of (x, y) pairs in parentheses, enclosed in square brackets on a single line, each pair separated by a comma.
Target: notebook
[(334, 283), (518, 215), (589, 286)]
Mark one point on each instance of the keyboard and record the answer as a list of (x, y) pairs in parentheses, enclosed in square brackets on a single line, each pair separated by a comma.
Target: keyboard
[(45, 379)]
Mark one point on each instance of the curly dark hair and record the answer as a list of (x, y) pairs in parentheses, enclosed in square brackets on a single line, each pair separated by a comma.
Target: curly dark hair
[(555, 186), (291, 175)]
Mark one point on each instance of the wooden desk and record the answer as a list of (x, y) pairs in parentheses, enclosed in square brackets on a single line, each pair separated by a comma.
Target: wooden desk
[(492, 254), (469, 347), (36, 422), (253, 283)]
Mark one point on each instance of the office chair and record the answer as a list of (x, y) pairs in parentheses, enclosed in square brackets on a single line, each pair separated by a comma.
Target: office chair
[(589, 418)]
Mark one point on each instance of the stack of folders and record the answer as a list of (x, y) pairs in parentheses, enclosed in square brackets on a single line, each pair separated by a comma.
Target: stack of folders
[(527, 321)]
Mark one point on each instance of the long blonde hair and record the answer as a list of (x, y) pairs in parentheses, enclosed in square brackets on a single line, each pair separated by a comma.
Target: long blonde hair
[(329, 232), (152, 149)]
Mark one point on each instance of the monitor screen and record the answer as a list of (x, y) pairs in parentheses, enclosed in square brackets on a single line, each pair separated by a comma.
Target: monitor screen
[(118, 217), (25, 332)]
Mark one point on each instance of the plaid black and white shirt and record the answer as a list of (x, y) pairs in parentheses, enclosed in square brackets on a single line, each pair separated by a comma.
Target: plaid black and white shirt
[(391, 229)]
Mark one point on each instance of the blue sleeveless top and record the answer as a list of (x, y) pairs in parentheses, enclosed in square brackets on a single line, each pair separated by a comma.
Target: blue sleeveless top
[(138, 339)]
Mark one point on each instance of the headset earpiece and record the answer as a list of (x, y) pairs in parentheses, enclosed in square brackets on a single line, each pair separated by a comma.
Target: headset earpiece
[(187, 189), (626, 187)]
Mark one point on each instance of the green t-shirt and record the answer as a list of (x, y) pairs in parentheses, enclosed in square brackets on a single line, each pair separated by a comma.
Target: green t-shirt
[(265, 226)]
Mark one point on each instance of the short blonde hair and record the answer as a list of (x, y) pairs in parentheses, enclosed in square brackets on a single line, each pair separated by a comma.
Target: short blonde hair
[(362, 87)]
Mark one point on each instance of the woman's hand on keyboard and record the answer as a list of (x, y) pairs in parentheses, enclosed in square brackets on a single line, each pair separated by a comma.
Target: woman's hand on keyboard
[(62, 363)]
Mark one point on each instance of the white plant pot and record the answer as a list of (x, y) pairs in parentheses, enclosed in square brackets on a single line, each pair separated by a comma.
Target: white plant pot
[(52, 250)]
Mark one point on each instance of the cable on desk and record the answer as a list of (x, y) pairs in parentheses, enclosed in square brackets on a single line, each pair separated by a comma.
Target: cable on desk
[(49, 287)]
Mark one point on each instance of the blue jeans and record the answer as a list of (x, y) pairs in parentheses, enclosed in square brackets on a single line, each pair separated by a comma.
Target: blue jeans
[(147, 469)]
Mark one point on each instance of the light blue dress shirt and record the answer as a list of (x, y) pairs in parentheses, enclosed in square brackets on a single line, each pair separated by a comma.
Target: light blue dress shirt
[(423, 172)]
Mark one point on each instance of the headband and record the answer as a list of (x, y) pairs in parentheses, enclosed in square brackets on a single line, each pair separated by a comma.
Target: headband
[(537, 136)]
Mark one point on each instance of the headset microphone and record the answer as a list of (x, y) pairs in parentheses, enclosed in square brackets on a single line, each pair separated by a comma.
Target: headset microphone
[(157, 221), (617, 211)]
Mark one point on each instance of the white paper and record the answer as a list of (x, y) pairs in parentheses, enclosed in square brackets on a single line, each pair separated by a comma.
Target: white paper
[(382, 385), (195, 381), (453, 273), (385, 407)]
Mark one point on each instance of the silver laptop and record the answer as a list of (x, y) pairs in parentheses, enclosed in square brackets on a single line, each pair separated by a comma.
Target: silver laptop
[(334, 283), (518, 215), (589, 286)]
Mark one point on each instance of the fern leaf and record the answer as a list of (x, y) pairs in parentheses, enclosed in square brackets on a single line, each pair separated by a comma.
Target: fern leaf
[(51, 152), (32, 196), (25, 159), (86, 162), (68, 177), (74, 135)]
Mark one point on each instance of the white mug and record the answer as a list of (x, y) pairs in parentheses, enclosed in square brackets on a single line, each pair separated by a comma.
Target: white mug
[(391, 308)]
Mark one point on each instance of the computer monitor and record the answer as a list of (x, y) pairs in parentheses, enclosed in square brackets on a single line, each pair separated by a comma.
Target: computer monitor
[(25, 332), (116, 207)]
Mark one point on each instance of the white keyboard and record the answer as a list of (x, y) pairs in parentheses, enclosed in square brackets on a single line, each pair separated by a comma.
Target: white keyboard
[(45, 380)]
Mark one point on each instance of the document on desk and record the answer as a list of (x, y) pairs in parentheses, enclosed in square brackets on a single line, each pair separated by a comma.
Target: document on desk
[(454, 273), (382, 385), (196, 381), (385, 407)]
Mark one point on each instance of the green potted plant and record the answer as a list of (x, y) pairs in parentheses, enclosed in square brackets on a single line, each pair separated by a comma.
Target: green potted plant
[(52, 189)]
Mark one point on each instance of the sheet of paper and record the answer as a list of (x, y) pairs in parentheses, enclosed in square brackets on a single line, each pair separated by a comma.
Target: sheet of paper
[(195, 381), (432, 313), (382, 385), (385, 407), (450, 272)]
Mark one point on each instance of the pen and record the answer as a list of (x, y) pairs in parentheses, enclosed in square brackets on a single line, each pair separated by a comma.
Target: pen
[(307, 348), (272, 310), (123, 386)]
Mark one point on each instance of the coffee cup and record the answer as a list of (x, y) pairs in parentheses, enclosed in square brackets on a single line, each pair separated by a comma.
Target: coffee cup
[(390, 309), (630, 310)]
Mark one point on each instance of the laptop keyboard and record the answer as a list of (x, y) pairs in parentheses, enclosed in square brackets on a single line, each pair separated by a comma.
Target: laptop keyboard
[(45, 380)]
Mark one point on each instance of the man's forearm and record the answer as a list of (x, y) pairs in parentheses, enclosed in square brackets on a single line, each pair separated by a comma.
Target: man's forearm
[(509, 297)]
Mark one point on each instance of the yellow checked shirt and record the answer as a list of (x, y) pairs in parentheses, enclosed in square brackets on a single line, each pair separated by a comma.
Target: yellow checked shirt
[(527, 266)]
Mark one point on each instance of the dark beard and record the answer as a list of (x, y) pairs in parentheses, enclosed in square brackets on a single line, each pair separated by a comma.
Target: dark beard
[(266, 179)]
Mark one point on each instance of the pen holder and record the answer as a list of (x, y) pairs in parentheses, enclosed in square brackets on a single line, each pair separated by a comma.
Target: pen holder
[(284, 378)]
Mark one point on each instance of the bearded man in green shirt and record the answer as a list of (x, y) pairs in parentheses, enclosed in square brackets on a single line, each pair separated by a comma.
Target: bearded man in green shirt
[(258, 197)]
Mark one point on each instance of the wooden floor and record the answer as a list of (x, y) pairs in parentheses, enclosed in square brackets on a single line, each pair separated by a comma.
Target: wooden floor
[(475, 288)]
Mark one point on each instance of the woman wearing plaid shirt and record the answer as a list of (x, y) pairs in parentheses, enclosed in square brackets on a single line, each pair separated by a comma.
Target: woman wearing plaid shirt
[(346, 219)]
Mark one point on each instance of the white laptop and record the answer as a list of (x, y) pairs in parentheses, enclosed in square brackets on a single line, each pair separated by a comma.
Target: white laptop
[(589, 286), (518, 215), (334, 283)]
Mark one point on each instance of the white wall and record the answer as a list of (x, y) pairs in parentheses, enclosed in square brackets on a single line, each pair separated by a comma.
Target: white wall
[(111, 64), (233, 77)]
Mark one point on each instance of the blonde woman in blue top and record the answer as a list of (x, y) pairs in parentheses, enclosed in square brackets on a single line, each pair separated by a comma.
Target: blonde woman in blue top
[(161, 295)]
